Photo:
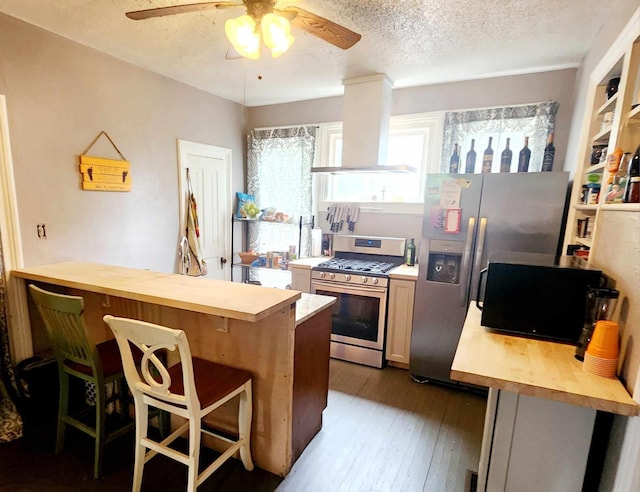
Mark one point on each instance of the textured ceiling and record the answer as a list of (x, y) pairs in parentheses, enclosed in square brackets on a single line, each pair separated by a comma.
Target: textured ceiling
[(414, 42)]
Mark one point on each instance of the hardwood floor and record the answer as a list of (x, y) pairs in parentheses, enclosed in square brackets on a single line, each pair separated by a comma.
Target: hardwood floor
[(382, 432)]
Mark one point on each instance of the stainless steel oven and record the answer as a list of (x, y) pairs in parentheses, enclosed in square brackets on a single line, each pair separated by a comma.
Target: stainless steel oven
[(357, 276)]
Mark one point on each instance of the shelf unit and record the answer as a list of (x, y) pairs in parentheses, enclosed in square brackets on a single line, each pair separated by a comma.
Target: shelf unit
[(622, 60), (299, 226)]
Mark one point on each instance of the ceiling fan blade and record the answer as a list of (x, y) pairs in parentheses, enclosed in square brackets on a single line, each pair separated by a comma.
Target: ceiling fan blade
[(179, 9), (320, 27)]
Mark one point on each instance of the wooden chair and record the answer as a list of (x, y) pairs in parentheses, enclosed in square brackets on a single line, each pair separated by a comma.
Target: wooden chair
[(191, 389), (76, 356)]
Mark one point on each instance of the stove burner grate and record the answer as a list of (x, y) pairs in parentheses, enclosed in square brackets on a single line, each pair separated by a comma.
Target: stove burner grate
[(348, 265)]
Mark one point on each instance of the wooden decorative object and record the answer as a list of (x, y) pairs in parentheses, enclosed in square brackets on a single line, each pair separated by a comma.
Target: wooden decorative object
[(102, 174)]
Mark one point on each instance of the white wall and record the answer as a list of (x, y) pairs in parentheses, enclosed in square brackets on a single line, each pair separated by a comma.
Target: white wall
[(501, 91), (555, 85), (60, 95)]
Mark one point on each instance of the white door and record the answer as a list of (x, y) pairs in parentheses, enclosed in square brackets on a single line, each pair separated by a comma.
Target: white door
[(210, 174)]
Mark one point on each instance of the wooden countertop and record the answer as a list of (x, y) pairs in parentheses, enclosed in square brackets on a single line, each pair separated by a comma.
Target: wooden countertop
[(308, 263), (310, 304), (404, 272), (199, 294), (533, 367)]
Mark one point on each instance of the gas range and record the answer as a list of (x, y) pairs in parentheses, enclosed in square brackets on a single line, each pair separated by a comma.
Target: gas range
[(361, 259), (358, 276)]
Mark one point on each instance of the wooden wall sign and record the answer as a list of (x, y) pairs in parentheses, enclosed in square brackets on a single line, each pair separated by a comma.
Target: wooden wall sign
[(102, 174), (99, 174)]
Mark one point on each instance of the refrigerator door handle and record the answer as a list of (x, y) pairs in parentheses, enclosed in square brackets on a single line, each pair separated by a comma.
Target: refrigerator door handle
[(466, 256), (477, 263)]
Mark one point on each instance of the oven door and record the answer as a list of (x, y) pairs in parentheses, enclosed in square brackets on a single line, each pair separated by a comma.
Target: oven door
[(358, 316)]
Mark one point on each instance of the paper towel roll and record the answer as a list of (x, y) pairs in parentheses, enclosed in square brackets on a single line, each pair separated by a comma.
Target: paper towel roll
[(316, 242)]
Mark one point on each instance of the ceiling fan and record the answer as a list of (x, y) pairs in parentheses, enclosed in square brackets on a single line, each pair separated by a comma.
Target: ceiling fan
[(262, 18)]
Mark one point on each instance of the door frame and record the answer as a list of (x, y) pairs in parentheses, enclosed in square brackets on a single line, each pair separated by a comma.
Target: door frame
[(19, 327), (208, 150)]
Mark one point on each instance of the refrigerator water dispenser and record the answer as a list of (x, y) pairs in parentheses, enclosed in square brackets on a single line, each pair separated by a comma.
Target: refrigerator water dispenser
[(445, 261)]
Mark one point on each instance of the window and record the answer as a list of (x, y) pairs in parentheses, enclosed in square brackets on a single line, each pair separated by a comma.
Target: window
[(414, 140), (533, 121), (279, 176)]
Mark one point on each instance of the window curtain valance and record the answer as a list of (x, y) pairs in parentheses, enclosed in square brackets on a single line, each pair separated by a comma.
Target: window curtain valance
[(535, 121)]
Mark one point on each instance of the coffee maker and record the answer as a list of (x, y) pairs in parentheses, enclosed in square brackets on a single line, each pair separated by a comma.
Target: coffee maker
[(601, 302)]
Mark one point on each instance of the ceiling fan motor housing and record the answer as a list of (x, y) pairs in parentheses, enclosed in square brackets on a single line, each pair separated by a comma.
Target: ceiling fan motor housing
[(258, 8)]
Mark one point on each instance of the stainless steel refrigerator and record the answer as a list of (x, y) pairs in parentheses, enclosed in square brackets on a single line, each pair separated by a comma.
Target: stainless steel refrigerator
[(467, 219)]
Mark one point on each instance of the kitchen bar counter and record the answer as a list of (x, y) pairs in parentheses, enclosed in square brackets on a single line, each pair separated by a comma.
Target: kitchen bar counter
[(533, 367), (279, 336), (541, 409), (311, 304), (216, 297)]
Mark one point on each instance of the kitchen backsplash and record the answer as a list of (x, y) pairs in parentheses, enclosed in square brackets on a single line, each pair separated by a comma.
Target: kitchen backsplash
[(376, 223)]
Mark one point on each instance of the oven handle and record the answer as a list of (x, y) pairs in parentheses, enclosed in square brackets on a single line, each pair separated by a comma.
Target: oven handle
[(345, 289)]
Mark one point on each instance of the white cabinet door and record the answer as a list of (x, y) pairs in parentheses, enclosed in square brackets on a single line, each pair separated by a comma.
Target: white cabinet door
[(400, 320), (300, 279)]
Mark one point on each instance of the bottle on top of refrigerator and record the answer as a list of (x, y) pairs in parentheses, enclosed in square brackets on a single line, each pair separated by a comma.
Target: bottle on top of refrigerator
[(487, 158), (549, 154), (454, 162), (470, 165), (505, 158), (524, 157)]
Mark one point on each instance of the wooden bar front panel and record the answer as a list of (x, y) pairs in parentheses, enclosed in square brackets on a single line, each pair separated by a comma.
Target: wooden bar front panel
[(263, 348)]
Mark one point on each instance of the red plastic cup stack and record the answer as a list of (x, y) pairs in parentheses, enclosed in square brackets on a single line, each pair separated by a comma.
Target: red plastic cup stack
[(601, 356)]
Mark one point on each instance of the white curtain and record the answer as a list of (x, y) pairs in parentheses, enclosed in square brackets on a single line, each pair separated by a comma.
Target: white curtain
[(535, 121), (10, 420), (279, 176)]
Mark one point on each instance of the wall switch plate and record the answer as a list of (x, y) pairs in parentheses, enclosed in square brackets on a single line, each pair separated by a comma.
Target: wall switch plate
[(42, 231)]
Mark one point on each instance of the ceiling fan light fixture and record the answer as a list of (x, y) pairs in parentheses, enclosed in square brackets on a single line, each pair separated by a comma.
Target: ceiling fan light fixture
[(242, 34), (276, 33)]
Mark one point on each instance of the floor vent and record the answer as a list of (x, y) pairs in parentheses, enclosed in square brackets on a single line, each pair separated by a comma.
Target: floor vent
[(471, 481)]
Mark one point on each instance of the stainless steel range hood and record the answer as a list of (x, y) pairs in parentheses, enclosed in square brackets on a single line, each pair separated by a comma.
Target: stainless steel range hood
[(365, 127)]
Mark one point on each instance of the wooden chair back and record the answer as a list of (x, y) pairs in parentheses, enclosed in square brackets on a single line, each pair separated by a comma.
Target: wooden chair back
[(63, 319), (153, 378)]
